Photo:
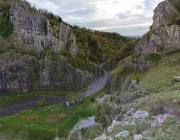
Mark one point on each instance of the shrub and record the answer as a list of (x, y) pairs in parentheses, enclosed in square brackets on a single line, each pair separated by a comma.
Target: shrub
[(162, 25), (160, 48), (137, 78), (41, 103), (166, 33), (92, 99), (6, 26), (153, 56)]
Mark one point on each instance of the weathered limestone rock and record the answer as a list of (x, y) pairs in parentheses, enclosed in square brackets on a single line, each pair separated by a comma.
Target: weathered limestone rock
[(65, 77), (102, 137), (138, 137), (161, 34), (162, 14), (16, 75), (33, 31), (133, 83), (114, 123), (140, 63), (176, 78), (158, 120), (163, 37), (141, 115), (123, 134)]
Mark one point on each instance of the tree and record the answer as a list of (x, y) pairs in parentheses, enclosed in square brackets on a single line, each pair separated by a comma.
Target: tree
[(41, 103)]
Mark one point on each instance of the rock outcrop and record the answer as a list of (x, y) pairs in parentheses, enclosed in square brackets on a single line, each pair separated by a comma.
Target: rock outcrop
[(34, 31), (164, 34), (31, 55)]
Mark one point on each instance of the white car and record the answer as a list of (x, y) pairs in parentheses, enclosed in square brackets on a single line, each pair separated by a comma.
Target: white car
[(66, 103)]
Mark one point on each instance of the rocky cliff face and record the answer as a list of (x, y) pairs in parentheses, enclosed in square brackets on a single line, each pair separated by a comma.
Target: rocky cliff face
[(34, 31), (164, 33), (31, 56)]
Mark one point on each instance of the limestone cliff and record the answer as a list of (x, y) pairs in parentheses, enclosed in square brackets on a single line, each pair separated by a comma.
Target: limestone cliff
[(48, 53), (163, 36), (31, 52)]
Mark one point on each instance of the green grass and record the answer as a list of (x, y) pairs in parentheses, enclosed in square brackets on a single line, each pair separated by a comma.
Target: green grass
[(68, 123), (160, 75), (54, 116), (89, 133), (157, 76), (13, 125)]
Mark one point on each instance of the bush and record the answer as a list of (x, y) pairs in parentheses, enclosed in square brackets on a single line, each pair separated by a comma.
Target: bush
[(153, 56), (162, 25), (41, 103), (137, 78), (6, 26), (92, 99), (160, 48)]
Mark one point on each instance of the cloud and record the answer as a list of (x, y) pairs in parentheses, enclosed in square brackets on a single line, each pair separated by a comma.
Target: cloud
[(127, 17)]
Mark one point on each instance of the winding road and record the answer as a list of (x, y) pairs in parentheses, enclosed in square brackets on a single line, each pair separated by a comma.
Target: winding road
[(97, 83)]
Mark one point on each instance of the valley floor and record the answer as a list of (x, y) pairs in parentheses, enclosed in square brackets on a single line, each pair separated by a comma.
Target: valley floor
[(150, 112)]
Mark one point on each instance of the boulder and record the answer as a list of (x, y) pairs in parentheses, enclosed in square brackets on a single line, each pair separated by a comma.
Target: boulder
[(176, 78), (102, 137), (140, 115), (138, 137), (170, 84), (133, 83), (123, 134), (146, 132)]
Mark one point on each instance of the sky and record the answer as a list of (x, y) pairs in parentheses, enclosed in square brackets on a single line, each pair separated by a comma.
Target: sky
[(126, 17)]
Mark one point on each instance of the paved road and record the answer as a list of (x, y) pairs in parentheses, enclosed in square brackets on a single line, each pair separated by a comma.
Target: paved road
[(98, 83), (29, 103)]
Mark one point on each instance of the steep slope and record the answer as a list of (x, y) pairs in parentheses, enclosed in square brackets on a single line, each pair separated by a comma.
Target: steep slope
[(40, 51), (162, 38)]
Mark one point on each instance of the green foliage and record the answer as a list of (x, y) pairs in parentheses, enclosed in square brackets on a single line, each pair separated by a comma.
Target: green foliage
[(176, 6), (3, 6), (137, 78), (34, 131), (160, 48), (74, 62), (162, 25), (148, 35), (6, 26), (65, 53), (140, 127), (41, 103), (53, 19), (103, 115), (166, 33), (174, 19), (82, 54), (153, 56), (126, 51), (69, 122), (31, 53), (80, 61), (101, 45)]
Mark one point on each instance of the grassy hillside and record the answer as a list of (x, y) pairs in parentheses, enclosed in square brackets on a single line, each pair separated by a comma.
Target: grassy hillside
[(158, 80)]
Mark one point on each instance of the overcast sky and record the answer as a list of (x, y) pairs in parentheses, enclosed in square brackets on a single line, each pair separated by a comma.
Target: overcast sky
[(127, 17)]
